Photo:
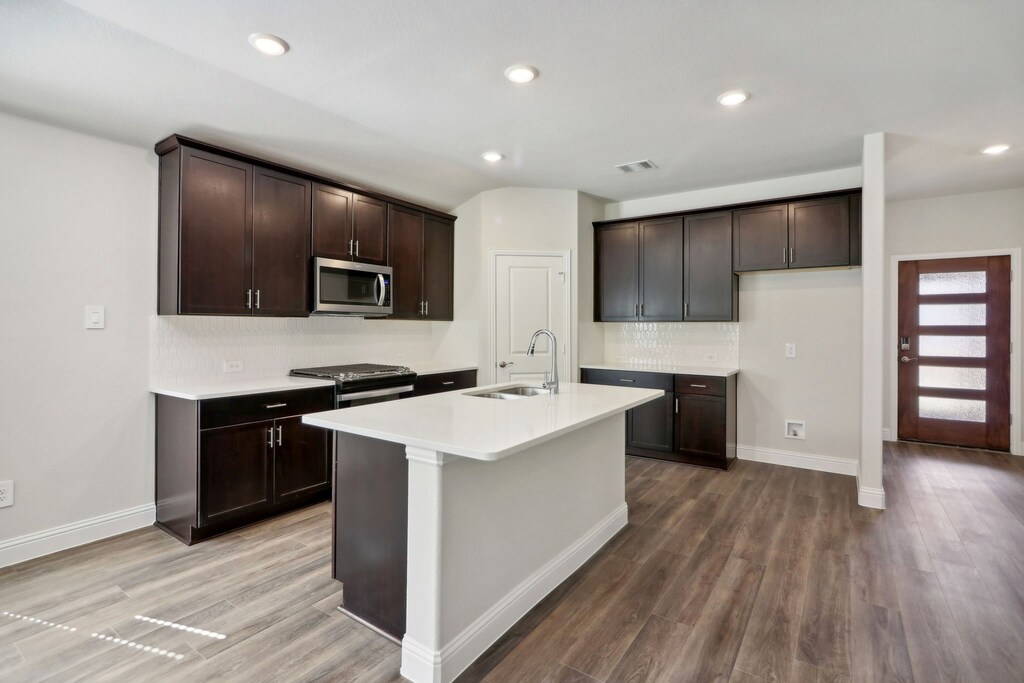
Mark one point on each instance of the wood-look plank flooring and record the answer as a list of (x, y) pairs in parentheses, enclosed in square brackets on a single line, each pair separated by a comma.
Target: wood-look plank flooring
[(759, 574)]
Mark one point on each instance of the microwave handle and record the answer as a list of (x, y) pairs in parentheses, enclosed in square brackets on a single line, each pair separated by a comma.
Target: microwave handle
[(381, 285)]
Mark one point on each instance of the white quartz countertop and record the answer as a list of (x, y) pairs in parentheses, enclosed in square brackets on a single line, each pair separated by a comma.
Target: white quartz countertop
[(199, 391), (666, 369), (481, 428)]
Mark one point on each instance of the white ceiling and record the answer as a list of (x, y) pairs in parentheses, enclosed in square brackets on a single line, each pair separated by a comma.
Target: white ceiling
[(404, 95)]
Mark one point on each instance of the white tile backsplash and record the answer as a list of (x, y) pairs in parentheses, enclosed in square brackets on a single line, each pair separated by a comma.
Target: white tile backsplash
[(673, 343), (193, 348)]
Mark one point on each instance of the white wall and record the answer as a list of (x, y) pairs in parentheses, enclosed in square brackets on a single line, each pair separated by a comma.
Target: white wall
[(954, 223), (78, 227)]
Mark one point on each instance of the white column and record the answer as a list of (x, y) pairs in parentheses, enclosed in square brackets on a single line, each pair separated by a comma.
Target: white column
[(869, 476), (422, 641)]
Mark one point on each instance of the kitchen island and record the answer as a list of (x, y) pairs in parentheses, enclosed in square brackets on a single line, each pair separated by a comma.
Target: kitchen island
[(504, 500)]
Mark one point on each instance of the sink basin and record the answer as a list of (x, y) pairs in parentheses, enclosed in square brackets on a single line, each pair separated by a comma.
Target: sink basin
[(512, 393)]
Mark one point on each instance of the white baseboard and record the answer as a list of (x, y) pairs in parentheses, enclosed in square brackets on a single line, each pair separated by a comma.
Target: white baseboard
[(871, 498), (422, 664), (59, 538), (887, 434), (807, 461)]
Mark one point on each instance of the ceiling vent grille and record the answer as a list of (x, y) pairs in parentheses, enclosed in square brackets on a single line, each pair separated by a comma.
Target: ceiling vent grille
[(636, 166)]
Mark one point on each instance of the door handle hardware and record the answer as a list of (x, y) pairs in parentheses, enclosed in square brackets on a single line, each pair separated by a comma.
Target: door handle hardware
[(623, 379), (700, 386), (271, 406), (279, 435), (257, 298), (505, 362), (248, 298), (906, 359), (270, 436), (447, 384)]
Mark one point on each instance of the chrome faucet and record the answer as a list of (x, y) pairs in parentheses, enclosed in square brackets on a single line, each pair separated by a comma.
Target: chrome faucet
[(550, 376)]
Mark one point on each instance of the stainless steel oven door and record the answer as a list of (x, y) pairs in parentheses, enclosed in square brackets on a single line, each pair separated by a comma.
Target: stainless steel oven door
[(361, 398), (350, 288)]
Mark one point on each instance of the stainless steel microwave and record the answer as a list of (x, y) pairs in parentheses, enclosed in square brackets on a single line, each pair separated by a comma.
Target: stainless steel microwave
[(350, 288)]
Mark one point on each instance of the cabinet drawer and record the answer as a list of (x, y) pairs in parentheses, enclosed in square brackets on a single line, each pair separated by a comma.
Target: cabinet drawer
[(221, 412), (700, 384), (619, 378), (444, 381)]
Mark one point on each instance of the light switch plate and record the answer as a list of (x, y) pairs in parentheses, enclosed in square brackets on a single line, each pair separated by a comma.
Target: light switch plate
[(232, 366), (790, 350), (95, 318), (6, 494)]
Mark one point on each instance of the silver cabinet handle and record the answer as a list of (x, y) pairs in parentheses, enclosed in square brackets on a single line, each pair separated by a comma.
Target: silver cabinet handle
[(447, 384), (279, 435), (248, 298), (504, 363), (636, 310), (270, 436), (271, 406), (421, 308), (350, 243), (784, 255), (677, 406), (791, 254), (257, 298), (641, 310), (700, 386), (426, 308), (357, 247), (686, 308), (622, 379)]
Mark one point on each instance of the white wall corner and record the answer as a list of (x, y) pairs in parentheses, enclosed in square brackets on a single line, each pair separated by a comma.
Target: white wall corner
[(805, 461), (48, 541)]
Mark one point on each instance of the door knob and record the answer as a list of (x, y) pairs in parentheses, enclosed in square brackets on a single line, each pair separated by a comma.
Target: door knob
[(504, 363), (905, 359)]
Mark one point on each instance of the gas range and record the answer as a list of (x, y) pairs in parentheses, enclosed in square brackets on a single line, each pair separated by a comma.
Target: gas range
[(363, 381)]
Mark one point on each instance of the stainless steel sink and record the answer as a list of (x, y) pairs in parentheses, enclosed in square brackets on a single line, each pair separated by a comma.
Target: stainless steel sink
[(512, 393)]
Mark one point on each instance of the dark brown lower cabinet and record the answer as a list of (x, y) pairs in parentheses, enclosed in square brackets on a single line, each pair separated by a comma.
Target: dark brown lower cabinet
[(438, 382), (226, 462), (694, 422)]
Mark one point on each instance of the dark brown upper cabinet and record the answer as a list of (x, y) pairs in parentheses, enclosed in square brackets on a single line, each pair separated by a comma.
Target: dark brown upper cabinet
[(813, 233), (349, 226), (760, 238), (234, 237), (422, 255), (709, 285), (639, 269)]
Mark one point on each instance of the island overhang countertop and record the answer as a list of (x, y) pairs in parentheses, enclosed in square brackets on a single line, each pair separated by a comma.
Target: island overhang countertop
[(474, 427)]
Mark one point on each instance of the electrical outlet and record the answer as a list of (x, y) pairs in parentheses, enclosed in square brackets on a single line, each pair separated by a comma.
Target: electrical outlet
[(6, 494), (710, 357), (232, 366), (790, 350)]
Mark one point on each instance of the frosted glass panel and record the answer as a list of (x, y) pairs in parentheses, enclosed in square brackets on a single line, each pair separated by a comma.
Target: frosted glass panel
[(952, 283), (960, 347), (951, 378), (952, 314), (962, 409)]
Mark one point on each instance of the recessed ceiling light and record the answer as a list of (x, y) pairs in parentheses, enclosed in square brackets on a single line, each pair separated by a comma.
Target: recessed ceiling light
[(520, 73), (492, 156), (268, 44), (995, 149), (733, 97)]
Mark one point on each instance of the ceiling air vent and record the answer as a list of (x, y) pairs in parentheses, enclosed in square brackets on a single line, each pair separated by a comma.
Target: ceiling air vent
[(636, 166)]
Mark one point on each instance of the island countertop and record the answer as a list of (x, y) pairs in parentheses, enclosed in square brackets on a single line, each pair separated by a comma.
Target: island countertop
[(458, 423)]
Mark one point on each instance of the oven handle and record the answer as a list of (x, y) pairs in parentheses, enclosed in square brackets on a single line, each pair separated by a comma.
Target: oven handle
[(381, 285), (375, 393)]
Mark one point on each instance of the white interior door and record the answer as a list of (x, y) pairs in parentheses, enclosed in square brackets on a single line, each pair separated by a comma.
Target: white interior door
[(530, 292)]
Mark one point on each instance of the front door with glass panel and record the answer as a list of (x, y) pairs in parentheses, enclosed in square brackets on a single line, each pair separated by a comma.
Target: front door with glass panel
[(953, 351)]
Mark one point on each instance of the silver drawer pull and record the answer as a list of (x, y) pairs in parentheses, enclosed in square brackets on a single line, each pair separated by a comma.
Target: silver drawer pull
[(626, 380), (270, 436), (448, 383), (700, 386), (278, 435), (269, 406)]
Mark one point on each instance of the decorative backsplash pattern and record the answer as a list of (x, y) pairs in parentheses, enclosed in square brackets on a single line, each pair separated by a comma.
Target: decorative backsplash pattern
[(673, 343), (193, 348)]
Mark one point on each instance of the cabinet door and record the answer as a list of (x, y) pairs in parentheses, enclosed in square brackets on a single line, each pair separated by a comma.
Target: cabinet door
[(709, 283), (855, 229), (650, 425), (438, 268), (370, 229), (661, 270), (301, 457), (332, 222), (819, 233), (406, 258), (617, 271), (216, 234), (235, 471), (700, 425), (760, 238), (281, 227)]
